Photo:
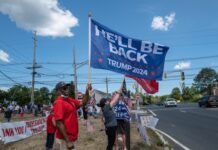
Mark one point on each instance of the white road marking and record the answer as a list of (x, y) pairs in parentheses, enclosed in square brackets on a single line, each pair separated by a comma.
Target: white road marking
[(174, 140), (152, 112)]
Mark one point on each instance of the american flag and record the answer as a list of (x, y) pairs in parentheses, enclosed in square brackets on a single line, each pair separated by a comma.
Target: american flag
[(92, 101), (150, 86)]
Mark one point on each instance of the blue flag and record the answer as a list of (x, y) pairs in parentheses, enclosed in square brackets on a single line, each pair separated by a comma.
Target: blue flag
[(113, 51), (121, 111)]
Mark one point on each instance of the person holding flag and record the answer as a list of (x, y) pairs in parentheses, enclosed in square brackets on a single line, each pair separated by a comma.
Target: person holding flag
[(109, 116), (65, 113), (123, 119)]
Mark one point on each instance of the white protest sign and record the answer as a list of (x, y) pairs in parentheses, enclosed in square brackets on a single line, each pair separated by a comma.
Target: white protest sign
[(13, 131), (36, 126), (143, 133), (153, 122), (149, 121), (145, 119)]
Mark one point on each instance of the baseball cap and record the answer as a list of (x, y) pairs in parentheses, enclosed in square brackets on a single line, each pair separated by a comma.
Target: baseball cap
[(102, 102), (61, 84)]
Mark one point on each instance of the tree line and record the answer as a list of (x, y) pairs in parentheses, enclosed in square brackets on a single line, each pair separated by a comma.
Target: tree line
[(22, 95), (203, 84)]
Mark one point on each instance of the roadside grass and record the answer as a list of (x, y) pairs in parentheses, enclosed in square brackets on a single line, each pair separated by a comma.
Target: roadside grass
[(96, 140)]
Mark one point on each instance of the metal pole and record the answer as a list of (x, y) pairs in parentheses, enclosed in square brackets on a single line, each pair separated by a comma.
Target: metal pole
[(89, 46), (75, 72), (33, 68), (107, 85)]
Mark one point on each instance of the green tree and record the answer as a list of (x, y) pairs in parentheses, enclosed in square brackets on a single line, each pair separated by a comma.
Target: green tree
[(195, 94), (44, 93), (176, 93), (3, 95), (205, 79), (186, 95), (37, 97), (163, 97), (53, 95), (20, 94)]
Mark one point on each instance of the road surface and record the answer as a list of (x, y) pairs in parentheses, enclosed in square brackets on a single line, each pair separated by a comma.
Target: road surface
[(194, 127)]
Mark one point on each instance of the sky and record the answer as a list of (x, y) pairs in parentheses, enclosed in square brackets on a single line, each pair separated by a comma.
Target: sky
[(188, 27)]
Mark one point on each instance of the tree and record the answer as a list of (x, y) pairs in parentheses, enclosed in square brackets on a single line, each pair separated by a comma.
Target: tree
[(186, 95), (176, 93), (38, 98), (3, 95), (163, 97), (195, 94), (20, 94), (53, 95), (44, 93), (205, 79)]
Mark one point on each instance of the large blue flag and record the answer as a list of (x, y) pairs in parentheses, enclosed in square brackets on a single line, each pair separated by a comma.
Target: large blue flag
[(113, 51)]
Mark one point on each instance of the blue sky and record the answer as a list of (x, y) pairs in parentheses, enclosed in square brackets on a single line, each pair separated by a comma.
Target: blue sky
[(188, 27)]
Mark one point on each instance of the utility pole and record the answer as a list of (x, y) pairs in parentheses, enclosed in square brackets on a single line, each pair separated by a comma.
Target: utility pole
[(33, 68), (106, 85), (75, 73), (182, 74)]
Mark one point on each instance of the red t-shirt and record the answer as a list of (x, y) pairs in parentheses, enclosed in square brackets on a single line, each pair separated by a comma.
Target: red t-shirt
[(65, 109), (50, 127)]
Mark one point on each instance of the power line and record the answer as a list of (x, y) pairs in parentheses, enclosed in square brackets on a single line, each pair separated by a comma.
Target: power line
[(9, 78), (197, 68), (85, 62), (191, 58), (24, 58)]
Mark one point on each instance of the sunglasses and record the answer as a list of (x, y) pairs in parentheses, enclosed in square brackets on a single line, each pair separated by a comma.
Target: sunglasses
[(65, 87)]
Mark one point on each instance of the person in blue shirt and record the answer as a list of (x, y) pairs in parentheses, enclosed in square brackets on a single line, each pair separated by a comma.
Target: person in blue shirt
[(123, 122), (110, 121)]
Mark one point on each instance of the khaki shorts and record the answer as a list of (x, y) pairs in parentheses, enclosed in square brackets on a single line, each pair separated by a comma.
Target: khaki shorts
[(62, 144)]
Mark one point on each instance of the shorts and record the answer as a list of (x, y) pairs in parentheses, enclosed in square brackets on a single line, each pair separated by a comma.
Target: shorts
[(121, 126)]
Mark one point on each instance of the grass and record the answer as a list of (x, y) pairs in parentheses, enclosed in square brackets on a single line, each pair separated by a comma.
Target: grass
[(95, 140)]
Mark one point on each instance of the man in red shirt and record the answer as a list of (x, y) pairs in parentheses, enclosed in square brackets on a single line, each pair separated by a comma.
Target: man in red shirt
[(50, 130), (65, 112)]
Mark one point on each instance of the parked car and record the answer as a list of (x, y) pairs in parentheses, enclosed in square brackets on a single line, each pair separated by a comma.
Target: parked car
[(160, 103), (208, 101), (170, 102)]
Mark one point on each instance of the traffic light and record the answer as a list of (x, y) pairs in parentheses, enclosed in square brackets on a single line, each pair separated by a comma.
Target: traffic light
[(182, 75)]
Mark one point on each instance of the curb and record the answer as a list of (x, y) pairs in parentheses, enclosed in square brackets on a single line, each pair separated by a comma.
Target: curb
[(161, 138)]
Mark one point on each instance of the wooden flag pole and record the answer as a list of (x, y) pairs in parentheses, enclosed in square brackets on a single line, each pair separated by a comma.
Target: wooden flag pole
[(89, 39)]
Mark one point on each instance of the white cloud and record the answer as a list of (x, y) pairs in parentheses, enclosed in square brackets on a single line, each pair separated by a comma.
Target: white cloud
[(182, 65), (4, 56), (163, 24), (44, 16)]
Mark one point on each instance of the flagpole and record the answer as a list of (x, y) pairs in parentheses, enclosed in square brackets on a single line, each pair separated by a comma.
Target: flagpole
[(89, 39)]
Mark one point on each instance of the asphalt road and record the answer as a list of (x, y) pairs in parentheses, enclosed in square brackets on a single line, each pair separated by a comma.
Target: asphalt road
[(194, 127)]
